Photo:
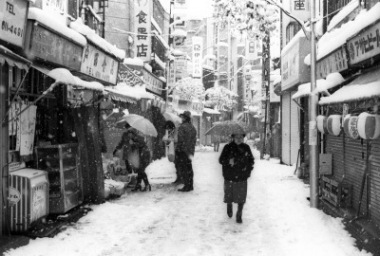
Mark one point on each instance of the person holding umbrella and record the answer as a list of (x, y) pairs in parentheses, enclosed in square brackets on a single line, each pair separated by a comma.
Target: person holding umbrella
[(184, 151), (237, 163), (136, 155)]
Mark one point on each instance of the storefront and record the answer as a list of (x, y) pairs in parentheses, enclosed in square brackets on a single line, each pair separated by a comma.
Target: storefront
[(348, 124), (294, 73)]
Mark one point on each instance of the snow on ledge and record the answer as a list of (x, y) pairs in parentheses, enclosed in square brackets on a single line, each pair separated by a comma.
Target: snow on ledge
[(48, 20), (90, 34)]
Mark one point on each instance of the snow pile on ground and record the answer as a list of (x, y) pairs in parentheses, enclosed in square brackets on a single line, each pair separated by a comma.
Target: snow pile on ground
[(277, 219)]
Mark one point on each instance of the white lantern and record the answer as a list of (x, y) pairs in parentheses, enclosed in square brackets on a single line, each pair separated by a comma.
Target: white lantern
[(350, 126), (322, 124), (334, 124), (369, 126)]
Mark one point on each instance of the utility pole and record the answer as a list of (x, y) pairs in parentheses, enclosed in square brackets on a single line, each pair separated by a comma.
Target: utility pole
[(265, 90), (313, 107)]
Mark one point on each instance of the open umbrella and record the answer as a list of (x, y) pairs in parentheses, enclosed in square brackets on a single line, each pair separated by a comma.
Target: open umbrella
[(172, 117), (226, 128), (138, 122)]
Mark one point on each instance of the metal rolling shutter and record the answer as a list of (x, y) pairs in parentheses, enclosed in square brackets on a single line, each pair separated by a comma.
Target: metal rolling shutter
[(374, 165), (294, 131), (355, 160), (286, 101), (334, 146)]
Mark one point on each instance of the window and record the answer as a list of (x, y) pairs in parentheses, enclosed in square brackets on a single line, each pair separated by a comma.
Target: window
[(291, 30)]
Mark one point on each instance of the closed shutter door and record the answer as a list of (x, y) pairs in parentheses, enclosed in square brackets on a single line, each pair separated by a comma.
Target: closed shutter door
[(374, 165), (355, 159), (294, 131), (334, 146), (286, 98)]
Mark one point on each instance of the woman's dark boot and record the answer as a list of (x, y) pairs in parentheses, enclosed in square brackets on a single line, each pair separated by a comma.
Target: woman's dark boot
[(138, 183), (146, 182), (229, 210), (137, 187), (239, 213)]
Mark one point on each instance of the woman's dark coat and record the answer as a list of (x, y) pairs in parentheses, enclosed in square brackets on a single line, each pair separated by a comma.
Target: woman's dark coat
[(139, 144), (243, 162)]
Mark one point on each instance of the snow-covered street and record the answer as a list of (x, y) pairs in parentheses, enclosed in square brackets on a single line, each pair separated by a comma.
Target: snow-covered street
[(277, 219)]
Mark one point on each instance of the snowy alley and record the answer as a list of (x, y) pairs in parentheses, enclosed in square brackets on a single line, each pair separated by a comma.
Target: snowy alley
[(277, 219)]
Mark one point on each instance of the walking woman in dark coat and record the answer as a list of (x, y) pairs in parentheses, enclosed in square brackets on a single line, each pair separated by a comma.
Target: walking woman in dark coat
[(137, 155), (237, 163)]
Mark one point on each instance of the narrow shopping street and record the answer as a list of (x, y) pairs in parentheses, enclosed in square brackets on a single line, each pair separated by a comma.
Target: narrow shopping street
[(277, 219)]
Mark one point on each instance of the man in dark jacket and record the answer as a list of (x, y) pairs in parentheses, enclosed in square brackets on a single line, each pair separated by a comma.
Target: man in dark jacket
[(237, 163), (184, 151)]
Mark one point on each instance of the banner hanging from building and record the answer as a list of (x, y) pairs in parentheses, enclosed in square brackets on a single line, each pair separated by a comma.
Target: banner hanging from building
[(142, 18), (197, 49)]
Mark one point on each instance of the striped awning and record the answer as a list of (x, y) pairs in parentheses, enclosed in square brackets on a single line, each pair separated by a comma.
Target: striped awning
[(12, 59)]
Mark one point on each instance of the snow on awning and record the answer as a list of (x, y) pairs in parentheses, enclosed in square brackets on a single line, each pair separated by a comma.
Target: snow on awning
[(134, 62), (126, 93), (211, 111), (13, 59), (159, 37), (62, 75), (364, 87), (331, 81), (49, 20)]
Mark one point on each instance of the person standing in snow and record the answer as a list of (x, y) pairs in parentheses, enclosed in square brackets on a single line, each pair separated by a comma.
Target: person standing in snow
[(171, 136), (237, 163), (136, 155), (184, 151)]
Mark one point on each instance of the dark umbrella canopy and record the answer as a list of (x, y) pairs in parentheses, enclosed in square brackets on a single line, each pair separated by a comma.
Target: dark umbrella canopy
[(226, 128)]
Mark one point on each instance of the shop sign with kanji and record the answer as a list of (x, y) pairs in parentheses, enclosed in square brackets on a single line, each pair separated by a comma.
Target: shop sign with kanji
[(143, 29), (197, 56), (98, 64)]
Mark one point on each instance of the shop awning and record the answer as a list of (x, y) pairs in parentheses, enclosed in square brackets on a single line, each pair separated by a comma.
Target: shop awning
[(13, 59), (64, 76), (364, 87)]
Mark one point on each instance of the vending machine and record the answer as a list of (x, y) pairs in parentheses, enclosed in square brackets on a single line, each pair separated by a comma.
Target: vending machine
[(28, 198)]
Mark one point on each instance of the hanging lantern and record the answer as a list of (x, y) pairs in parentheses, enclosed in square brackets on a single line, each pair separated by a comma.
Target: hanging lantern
[(350, 126), (369, 126), (322, 124), (334, 123)]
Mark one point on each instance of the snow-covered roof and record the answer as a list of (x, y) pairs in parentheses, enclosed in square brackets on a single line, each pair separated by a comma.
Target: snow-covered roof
[(90, 34), (62, 75), (332, 40), (179, 33), (364, 87), (134, 62), (49, 20), (124, 92)]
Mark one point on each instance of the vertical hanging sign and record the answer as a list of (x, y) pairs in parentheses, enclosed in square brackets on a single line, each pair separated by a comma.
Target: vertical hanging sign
[(197, 49), (143, 29)]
